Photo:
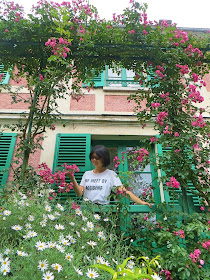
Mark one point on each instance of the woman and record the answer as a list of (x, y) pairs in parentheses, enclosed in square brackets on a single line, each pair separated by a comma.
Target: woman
[(96, 184)]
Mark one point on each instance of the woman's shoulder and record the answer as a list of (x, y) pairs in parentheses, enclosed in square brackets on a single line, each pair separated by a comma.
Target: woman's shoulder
[(111, 172)]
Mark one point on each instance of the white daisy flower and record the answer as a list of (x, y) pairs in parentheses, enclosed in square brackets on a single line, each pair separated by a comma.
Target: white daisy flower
[(48, 208), (7, 212), (51, 217), (100, 260), (130, 264), (69, 236), (101, 235), (84, 218), (72, 224), (90, 226), (106, 219), (50, 190), (51, 245), (69, 257), (43, 265), (45, 217), (78, 212), (60, 207), (78, 234), (106, 263), (59, 227), (97, 217), (31, 218), (31, 233), (16, 227), (72, 240), (40, 245), (92, 243), (5, 262), (48, 276), (7, 252), (92, 274), (57, 214), (78, 271), (60, 248), (22, 254), (57, 267), (28, 225), (4, 269), (43, 223), (84, 229), (21, 202), (65, 242)]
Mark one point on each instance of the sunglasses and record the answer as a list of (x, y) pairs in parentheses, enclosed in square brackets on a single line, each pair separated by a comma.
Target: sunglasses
[(95, 157)]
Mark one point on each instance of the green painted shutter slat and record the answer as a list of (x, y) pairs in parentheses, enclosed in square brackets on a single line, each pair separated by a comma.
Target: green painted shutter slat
[(72, 149), (195, 200), (5, 78), (7, 145), (98, 80)]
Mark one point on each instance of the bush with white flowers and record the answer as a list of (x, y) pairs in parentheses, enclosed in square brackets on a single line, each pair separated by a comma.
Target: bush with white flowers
[(43, 239)]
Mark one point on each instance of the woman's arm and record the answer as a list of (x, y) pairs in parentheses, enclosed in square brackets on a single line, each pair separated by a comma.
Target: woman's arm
[(133, 197), (79, 190)]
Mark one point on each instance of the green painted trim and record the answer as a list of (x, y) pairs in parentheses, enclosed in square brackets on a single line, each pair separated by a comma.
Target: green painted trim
[(6, 77), (10, 139)]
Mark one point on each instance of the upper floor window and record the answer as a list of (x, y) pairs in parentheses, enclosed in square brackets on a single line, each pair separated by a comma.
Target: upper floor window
[(111, 78)]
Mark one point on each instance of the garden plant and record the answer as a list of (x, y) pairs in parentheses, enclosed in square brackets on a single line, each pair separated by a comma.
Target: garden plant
[(57, 48)]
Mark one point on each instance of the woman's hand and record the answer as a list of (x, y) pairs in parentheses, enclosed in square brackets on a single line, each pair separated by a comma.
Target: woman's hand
[(69, 174), (148, 204)]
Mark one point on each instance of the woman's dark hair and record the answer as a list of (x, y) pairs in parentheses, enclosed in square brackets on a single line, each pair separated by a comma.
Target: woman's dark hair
[(103, 153)]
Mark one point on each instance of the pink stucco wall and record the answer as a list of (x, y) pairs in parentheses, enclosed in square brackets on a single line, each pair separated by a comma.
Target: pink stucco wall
[(207, 80), (119, 103), (34, 160), (85, 103), (6, 101)]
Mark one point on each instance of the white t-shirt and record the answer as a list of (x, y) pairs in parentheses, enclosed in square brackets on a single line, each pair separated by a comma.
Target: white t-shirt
[(97, 186)]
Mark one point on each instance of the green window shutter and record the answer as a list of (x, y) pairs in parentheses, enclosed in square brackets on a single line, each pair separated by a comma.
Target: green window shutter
[(7, 145), (98, 80), (193, 201), (5, 78), (72, 149)]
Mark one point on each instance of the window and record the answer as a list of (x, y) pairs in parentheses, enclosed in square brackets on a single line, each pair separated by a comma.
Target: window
[(7, 144), (75, 149), (5, 75), (109, 78)]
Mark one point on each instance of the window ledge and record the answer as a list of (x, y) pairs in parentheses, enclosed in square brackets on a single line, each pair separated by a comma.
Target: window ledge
[(121, 88), (125, 89)]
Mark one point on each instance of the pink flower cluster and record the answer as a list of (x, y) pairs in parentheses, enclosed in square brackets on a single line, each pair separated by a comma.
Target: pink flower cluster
[(184, 69), (141, 154), (161, 116), (191, 51), (167, 274), (196, 256), (57, 178), (166, 96), (155, 105), (59, 47), (160, 72), (71, 168), (153, 139), (198, 121), (173, 183), (116, 161), (180, 233), (206, 245), (166, 131), (195, 95), (131, 32)]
